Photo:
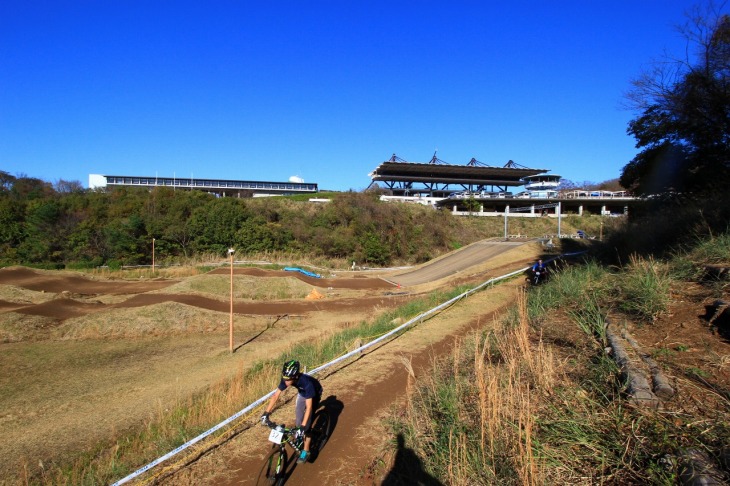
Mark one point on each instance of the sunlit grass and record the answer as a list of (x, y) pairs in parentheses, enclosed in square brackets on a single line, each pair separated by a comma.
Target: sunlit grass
[(503, 410)]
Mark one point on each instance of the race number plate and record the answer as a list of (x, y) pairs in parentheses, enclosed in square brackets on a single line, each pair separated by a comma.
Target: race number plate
[(275, 436)]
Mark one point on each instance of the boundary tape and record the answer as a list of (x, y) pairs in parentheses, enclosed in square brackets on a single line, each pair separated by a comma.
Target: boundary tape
[(261, 400)]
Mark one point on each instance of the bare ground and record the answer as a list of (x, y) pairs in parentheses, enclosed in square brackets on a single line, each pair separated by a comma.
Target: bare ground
[(99, 357)]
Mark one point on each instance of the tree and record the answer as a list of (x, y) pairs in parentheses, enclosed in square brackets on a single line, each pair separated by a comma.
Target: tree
[(684, 125), (64, 186)]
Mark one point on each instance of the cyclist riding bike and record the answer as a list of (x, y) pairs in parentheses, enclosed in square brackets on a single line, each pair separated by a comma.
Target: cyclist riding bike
[(310, 394), (538, 271)]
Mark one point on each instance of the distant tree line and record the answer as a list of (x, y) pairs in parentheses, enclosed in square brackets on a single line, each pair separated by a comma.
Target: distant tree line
[(63, 224)]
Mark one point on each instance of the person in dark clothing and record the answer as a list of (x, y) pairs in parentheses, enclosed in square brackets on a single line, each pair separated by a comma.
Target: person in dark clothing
[(310, 394), (538, 271), (538, 267)]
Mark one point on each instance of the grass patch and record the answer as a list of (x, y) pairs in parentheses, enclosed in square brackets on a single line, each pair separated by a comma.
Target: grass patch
[(502, 409), (644, 288), (244, 287)]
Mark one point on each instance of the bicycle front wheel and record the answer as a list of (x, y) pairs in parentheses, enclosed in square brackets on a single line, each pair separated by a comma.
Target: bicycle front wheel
[(273, 470)]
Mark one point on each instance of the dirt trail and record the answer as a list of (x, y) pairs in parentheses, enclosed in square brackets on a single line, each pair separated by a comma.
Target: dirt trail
[(455, 262), (63, 282), (363, 392)]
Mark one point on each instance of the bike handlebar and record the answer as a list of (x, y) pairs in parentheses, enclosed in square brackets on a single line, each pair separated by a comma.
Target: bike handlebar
[(273, 425)]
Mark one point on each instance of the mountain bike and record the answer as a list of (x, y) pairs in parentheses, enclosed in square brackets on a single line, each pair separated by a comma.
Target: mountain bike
[(537, 277), (277, 465)]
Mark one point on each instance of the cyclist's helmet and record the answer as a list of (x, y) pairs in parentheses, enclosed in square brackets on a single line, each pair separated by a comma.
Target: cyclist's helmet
[(290, 370)]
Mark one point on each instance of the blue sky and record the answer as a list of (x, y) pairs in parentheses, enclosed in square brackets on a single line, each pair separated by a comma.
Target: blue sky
[(323, 90)]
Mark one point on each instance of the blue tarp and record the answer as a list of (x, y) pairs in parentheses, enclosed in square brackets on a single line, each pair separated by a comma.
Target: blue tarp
[(308, 274)]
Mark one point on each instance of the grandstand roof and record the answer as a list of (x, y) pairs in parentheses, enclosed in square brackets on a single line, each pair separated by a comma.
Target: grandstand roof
[(451, 174)]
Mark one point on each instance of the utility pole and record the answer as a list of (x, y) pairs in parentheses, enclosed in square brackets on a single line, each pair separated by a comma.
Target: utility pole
[(230, 328), (153, 255)]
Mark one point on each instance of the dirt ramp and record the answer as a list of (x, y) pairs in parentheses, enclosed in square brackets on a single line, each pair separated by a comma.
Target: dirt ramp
[(361, 283), (62, 282), (264, 308), (61, 309)]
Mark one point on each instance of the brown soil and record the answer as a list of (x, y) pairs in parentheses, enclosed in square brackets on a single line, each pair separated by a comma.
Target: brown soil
[(693, 353), (60, 394)]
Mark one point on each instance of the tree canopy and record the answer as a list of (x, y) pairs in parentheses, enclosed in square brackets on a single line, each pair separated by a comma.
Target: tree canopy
[(684, 124), (58, 225)]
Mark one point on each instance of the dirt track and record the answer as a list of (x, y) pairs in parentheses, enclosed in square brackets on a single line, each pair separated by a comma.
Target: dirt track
[(95, 387), (361, 394), (455, 262)]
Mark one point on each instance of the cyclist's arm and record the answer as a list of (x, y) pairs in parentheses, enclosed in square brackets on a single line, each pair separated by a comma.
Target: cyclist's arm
[(272, 401)]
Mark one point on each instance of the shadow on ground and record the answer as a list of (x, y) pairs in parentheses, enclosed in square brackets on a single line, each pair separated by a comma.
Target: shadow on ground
[(408, 469)]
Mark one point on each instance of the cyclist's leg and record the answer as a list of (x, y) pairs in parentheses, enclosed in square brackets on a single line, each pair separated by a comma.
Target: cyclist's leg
[(310, 421), (299, 411)]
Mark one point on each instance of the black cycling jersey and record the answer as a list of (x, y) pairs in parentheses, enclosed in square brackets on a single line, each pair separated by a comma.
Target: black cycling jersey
[(307, 386)]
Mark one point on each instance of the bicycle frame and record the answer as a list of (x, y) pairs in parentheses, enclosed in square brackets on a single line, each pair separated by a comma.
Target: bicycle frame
[(284, 437)]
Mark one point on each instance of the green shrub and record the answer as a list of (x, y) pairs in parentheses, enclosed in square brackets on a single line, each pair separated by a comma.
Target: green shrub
[(644, 288)]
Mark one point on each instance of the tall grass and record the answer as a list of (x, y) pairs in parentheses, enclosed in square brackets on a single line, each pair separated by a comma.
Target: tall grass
[(473, 418), (577, 288), (502, 409), (715, 249), (644, 288), (590, 292), (690, 262)]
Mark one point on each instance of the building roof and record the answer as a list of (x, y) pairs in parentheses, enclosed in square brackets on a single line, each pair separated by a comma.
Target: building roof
[(451, 174)]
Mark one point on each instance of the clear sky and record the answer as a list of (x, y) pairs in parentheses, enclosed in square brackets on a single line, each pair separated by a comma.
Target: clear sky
[(324, 90)]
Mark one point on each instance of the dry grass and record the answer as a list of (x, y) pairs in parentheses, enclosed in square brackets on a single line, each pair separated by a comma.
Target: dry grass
[(19, 295), (165, 319), (244, 287), (16, 327), (493, 441)]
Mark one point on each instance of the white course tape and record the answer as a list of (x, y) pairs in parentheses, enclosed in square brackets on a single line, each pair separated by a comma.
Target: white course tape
[(193, 441), (324, 367)]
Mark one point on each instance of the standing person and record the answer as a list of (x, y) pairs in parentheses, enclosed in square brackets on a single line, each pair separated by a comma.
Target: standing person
[(310, 394)]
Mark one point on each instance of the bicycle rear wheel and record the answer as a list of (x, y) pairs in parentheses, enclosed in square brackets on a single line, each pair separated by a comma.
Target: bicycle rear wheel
[(273, 471)]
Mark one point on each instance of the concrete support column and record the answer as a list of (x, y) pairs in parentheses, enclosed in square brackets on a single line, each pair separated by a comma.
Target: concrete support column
[(506, 212), (603, 210), (580, 210), (454, 209)]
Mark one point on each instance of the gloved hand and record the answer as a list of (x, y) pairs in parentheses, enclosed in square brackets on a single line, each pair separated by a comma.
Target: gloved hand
[(298, 432), (265, 418)]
